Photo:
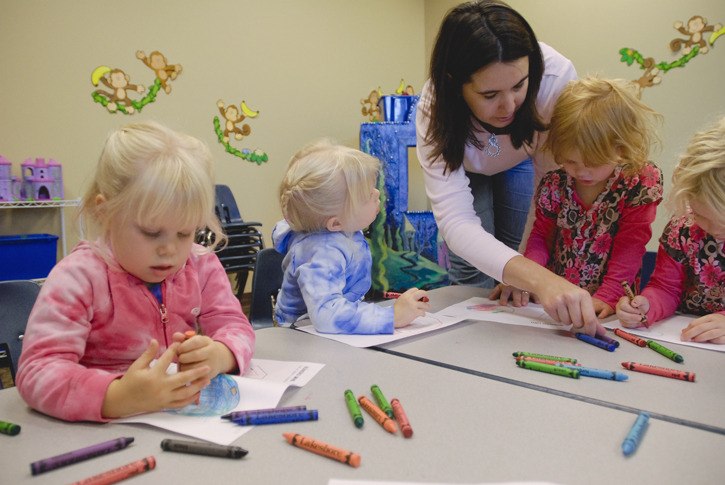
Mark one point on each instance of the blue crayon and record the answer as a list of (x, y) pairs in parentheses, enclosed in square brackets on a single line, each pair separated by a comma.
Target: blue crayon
[(275, 418), (595, 341), (243, 414), (630, 443), (600, 373), (608, 339)]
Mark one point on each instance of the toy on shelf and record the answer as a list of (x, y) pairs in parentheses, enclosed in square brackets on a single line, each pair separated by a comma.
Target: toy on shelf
[(40, 180), (392, 108)]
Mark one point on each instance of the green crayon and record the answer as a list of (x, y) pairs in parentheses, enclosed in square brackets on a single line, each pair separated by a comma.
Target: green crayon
[(381, 401), (9, 428), (551, 369), (354, 409), (661, 349), (547, 357)]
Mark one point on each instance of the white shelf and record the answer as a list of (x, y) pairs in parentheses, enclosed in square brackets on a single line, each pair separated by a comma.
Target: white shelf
[(45, 204), (39, 204)]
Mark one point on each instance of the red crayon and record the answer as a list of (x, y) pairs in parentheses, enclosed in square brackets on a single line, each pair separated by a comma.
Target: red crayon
[(392, 295), (120, 473), (402, 418), (632, 338), (660, 371)]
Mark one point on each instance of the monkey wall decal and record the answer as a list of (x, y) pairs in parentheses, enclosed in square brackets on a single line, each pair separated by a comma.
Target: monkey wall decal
[(120, 83), (164, 71), (696, 27)]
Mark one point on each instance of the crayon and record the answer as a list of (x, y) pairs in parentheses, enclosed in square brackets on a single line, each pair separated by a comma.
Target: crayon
[(276, 418), (660, 371), (320, 448), (354, 409), (630, 295), (545, 361), (381, 400), (9, 428), (543, 356), (551, 369), (595, 341), (203, 448), (632, 338), (402, 418), (600, 373), (392, 295), (661, 349), (48, 464), (630, 443), (377, 414), (608, 339), (121, 473), (242, 414)]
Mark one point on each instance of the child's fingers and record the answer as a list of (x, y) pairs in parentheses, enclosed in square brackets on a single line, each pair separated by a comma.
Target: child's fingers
[(190, 377), (148, 355), (166, 358)]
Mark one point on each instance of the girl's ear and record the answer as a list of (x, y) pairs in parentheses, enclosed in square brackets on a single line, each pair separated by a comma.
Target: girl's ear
[(100, 200), (334, 224)]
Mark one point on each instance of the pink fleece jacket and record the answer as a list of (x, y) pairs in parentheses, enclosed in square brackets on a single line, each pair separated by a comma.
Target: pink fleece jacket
[(92, 320)]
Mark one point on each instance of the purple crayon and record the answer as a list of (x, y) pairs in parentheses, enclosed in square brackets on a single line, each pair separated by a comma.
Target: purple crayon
[(48, 464)]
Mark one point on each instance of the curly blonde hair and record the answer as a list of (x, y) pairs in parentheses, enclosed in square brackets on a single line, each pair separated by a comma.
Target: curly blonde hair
[(605, 121), (701, 172), (325, 180)]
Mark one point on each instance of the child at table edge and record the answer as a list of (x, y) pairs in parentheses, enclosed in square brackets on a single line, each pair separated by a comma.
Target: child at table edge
[(328, 196), (689, 273), (113, 305)]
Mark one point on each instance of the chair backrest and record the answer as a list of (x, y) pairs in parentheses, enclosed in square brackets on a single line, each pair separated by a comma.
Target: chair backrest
[(16, 301), (266, 282), (226, 205)]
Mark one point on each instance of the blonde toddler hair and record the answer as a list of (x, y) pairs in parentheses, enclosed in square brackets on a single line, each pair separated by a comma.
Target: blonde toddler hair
[(605, 121), (325, 180), (701, 172), (147, 172)]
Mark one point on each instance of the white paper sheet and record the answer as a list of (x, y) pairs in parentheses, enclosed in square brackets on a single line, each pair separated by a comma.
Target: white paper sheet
[(337, 481), (262, 386), (667, 330), (428, 323), (483, 309)]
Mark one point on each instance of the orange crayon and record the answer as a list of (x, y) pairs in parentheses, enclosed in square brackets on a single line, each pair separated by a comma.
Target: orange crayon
[(378, 414), (632, 338), (320, 448), (660, 371), (393, 295), (402, 418), (121, 473)]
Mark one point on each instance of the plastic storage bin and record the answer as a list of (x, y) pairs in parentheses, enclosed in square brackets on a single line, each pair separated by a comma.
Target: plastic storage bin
[(27, 256)]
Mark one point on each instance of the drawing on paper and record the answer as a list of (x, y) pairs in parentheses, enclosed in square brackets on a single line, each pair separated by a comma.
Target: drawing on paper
[(219, 397)]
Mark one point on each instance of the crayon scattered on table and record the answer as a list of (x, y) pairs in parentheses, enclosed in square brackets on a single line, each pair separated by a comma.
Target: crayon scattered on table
[(595, 341), (11, 429), (631, 442), (661, 349), (58, 461), (660, 371), (242, 414), (551, 369), (545, 361), (544, 356), (381, 401), (354, 409), (277, 418), (599, 373), (401, 418), (203, 448), (630, 337), (323, 449), (377, 414), (121, 473)]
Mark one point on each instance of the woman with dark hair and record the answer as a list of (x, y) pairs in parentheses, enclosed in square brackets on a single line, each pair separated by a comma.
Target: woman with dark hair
[(480, 125)]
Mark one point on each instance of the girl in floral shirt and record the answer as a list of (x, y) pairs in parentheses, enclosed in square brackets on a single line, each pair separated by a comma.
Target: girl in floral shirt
[(689, 273), (594, 215)]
